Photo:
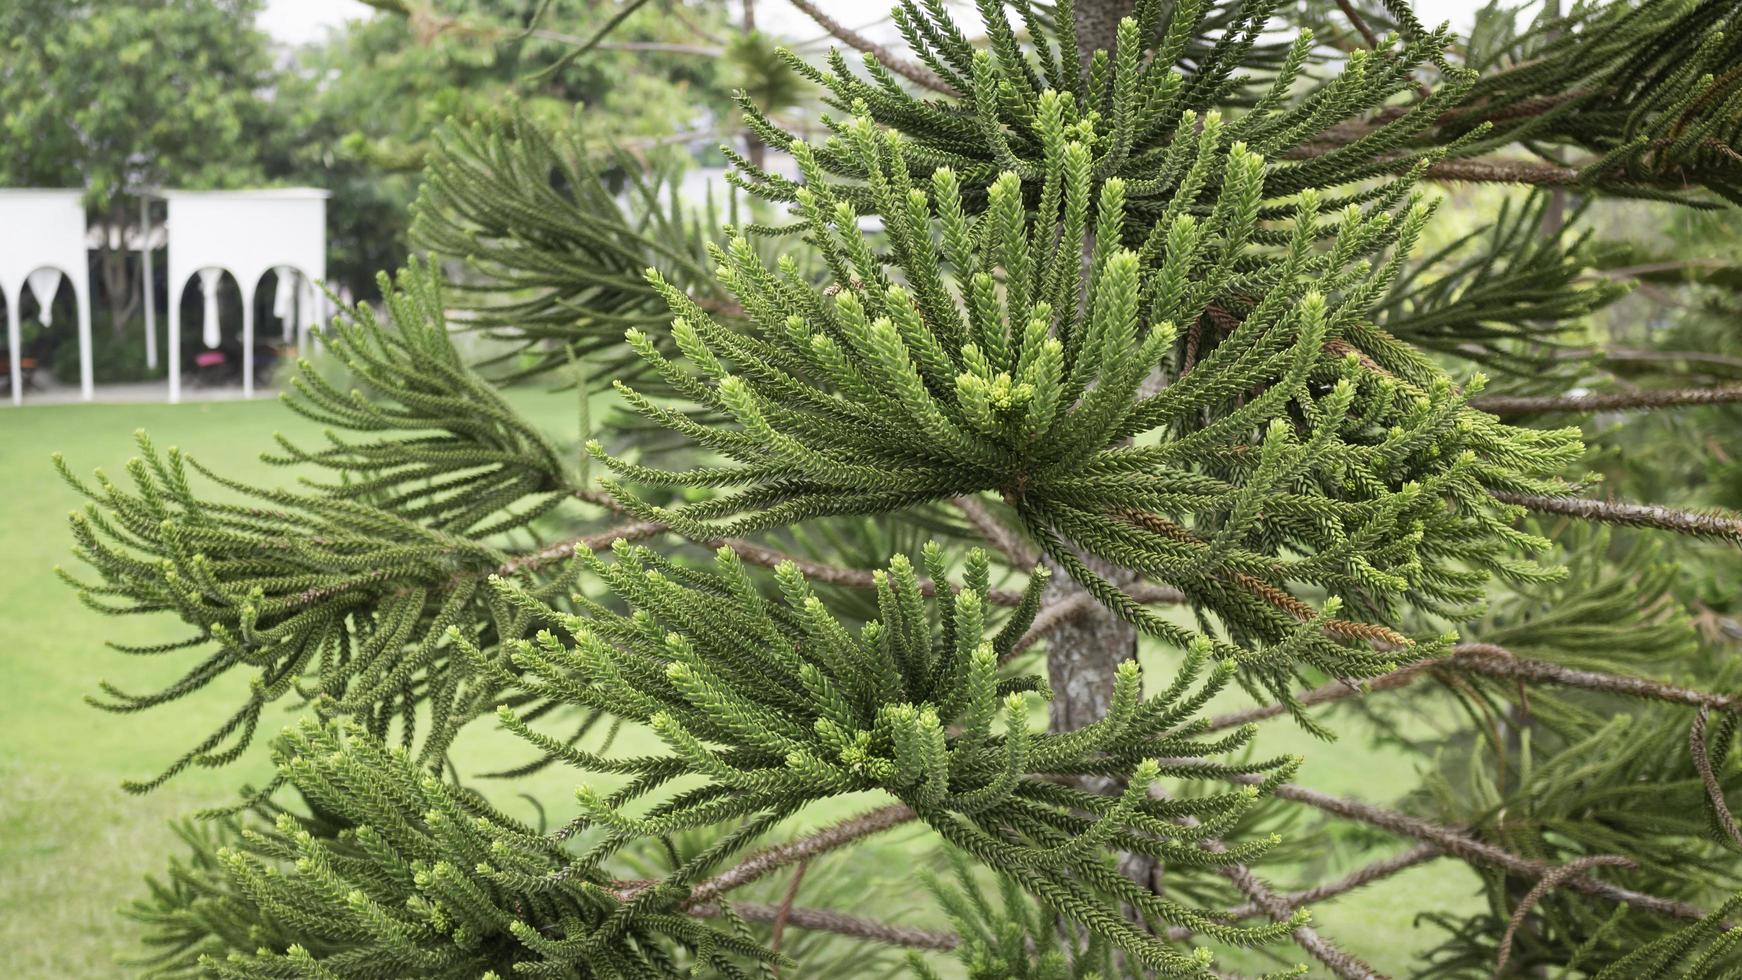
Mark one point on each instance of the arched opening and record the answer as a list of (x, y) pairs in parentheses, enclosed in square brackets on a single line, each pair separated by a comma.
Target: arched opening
[(13, 384), (208, 352), (286, 308), (45, 334)]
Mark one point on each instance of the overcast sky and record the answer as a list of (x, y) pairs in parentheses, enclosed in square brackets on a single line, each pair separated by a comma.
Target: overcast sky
[(297, 21)]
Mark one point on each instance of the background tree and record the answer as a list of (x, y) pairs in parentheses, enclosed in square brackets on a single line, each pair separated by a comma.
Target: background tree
[(1117, 294), (360, 111), (122, 98)]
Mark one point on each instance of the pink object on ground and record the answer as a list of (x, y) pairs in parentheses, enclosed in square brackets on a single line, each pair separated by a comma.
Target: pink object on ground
[(210, 358)]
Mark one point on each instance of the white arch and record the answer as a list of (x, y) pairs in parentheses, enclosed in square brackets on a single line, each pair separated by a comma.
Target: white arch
[(305, 294), (41, 229), (247, 234)]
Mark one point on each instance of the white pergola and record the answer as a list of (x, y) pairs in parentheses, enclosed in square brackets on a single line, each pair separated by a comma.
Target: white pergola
[(247, 234), (53, 249)]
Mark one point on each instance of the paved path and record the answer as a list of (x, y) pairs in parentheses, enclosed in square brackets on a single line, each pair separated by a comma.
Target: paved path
[(52, 393)]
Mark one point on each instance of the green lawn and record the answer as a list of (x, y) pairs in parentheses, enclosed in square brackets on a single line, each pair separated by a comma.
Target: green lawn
[(74, 847)]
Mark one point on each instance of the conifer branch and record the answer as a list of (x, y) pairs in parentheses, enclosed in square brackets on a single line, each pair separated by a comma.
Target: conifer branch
[(1493, 661), (1702, 757), (1339, 961), (838, 923), (1459, 844), (1619, 401), (916, 73), (1708, 525), (1543, 886), (1354, 880), (1053, 615), (848, 831)]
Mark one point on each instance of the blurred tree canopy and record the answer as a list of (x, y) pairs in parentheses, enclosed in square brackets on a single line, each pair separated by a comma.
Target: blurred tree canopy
[(357, 112), (120, 97)]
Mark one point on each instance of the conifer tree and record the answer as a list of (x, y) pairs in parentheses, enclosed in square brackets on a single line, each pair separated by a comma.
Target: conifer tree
[(1084, 331)]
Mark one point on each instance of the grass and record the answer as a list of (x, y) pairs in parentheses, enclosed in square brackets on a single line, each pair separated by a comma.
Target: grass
[(74, 847)]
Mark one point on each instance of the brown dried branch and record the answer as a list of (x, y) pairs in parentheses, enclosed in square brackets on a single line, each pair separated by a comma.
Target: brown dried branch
[(803, 849), (564, 550), (1543, 886), (996, 533), (1714, 789), (1492, 661), (1254, 888), (1359, 878), (784, 913), (1622, 401), (839, 923), (749, 551), (916, 73), (1343, 964), (1468, 171), (1461, 845), (1360, 24), (1694, 523), (1503, 172)]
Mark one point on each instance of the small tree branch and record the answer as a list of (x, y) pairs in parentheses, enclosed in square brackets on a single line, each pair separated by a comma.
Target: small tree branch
[(996, 533), (916, 73), (839, 923), (1543, 886), (1694, 523), (1360, 24), (1359, 878), (1491, 660), (1343, 964), (1621, 401), (1503, 172), (803, 849), (1714, 789), (784, 913), (1461, 845)]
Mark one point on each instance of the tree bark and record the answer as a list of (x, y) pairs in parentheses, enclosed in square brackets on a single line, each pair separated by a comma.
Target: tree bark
[(121, 287), (1084, 653), (1097, 23), (754, 149)]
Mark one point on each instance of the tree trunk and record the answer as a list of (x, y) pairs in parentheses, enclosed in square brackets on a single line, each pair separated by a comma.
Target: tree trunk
[(1097, 23), (121, 287), (754, 149), (1084, 654)]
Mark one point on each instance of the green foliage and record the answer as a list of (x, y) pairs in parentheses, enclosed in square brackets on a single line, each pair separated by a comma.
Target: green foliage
[(400, 873), (557, 260), (1163, 304), (776, 704), (888, 395), (1135, 113), (340, 594), (115, 98), (361, 113), (1505, 296), (764, 78), (1017, 938), (1646, 90), (114, 358)]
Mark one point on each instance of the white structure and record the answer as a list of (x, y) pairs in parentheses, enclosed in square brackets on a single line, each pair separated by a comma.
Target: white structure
[(43, 232), (247, 234)]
